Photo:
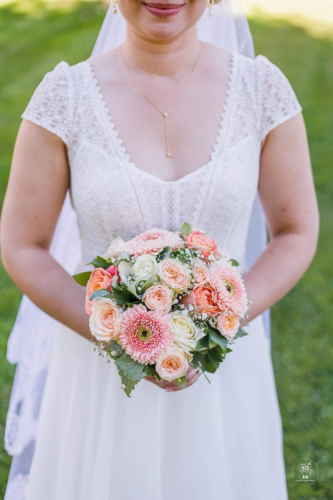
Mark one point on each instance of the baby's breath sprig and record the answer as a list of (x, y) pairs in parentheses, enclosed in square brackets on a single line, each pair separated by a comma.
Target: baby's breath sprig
[(100, 348)]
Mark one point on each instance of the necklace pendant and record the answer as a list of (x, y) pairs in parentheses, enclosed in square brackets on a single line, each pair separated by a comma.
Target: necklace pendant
[(165, 114), (168, 154)]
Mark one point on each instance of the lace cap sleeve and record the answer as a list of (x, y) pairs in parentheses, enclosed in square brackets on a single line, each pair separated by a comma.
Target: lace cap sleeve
[(277, 100), (51, 104)]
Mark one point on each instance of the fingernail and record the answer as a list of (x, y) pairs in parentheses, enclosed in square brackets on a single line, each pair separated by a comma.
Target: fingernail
[(168, 389)]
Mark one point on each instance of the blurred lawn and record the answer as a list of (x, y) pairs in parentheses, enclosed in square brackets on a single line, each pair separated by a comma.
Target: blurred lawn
[(34, 37)]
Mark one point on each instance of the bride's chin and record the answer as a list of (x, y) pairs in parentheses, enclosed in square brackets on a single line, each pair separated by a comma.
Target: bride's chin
[(157, 30)]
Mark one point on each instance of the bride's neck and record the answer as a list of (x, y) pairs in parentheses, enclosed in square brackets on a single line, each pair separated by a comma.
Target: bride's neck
[(166, 58)]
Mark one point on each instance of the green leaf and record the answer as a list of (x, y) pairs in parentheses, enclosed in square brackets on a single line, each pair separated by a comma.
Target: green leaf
[(131, 288), (202, 343), (197, 360), (101, 293), (151, 371), (213, 359), (234, 262), (240, 333), (123, 296), (150, 281), (185, 229), (100, 262), (115, 350), (209, 362), (181, 381), (164, 254), (216, 337), (82, 278), (130, 371)]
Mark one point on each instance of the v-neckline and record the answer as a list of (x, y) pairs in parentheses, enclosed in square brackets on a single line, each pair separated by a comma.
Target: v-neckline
[(118, 143)]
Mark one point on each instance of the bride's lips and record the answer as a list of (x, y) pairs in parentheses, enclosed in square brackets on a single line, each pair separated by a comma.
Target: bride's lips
[(163, 9)]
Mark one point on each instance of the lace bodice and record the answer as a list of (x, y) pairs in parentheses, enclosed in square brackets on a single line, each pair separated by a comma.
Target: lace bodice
[(111, 196)]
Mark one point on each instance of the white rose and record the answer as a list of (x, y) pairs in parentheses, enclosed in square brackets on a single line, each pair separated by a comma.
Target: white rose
[(144, 268), (187, 334), (104, 321)]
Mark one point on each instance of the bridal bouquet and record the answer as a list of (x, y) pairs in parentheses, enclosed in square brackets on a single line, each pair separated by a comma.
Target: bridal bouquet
[(163, 301)]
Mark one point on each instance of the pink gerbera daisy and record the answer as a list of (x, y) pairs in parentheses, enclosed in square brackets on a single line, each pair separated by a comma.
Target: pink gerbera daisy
[(145, 334), (152, 241), (228, 288)]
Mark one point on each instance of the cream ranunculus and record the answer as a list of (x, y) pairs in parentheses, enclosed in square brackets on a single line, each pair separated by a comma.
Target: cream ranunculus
[(172, 364), (144, 268), (158, 297), (187, 334), (174, 274), (104, 321)]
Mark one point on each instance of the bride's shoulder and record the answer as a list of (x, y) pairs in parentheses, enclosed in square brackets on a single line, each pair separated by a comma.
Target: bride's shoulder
[(259, 65), (268, 79), (273, 94), (53, 101)]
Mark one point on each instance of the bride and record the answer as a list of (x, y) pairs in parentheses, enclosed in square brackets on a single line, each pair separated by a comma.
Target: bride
[(165, 127)]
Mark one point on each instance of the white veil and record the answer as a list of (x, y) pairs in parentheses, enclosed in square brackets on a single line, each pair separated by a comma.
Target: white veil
[(30, 342)]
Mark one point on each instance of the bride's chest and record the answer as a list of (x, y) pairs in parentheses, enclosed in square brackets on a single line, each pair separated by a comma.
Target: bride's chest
[(112, 196)]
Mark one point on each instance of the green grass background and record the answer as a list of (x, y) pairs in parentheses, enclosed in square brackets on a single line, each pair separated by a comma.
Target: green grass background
[(34, 37)]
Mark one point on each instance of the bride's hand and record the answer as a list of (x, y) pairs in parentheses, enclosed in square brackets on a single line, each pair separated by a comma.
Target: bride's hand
[(191, 377)]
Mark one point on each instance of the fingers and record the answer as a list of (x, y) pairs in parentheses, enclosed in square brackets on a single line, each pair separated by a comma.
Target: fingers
[(191, 377)]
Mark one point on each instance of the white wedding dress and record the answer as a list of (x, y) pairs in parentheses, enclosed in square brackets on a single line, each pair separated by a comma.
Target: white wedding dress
[(217, 441)]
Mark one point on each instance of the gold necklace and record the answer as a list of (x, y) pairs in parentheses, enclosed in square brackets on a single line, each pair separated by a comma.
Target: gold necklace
[(164, 114)]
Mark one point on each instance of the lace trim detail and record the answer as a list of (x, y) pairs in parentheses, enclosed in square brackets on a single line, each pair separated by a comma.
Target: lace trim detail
[(106, 113), (118, 142), (16, 488), (277, 101), (225, 110), (51, 105)]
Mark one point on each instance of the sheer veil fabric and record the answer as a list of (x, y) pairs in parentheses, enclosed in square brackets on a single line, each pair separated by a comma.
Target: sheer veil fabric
[(30, 341)]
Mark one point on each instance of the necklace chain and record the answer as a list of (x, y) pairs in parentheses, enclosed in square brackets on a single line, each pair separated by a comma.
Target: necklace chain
[(164, 114)]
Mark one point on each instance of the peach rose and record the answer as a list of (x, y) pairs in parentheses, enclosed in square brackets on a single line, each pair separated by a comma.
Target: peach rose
[(201, 297), (200, 271), (104, 321), (201, 241), (174, 274), (172, 364), (99, 278), (228, 325), (158, 297)]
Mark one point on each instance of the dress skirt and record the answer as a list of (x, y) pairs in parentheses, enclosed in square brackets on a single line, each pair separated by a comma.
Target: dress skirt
[(217, 441)]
